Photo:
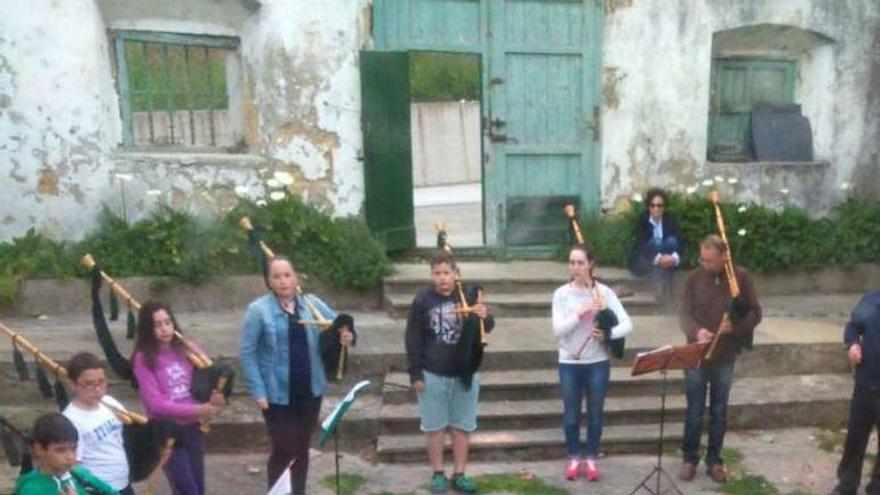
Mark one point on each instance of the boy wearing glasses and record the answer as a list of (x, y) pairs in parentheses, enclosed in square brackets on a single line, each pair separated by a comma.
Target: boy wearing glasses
[(657, 249), (100, 448)]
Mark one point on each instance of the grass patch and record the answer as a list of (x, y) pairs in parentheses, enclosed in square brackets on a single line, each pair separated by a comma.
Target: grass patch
[(514, 483), (829, 440), (732, 459), (749, 484), (348, 483)]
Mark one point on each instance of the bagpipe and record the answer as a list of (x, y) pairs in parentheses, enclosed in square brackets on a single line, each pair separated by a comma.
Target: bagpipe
[(737, 306), (473, 339), (333, 354), (146, 442), (605, 319), (208, 375)]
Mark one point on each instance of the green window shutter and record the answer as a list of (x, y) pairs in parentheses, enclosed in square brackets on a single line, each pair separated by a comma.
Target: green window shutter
[(737, 86), (385, 117)]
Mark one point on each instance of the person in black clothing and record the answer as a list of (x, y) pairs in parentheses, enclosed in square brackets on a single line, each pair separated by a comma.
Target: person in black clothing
[(862, 339), (443, 351), (657, 249)]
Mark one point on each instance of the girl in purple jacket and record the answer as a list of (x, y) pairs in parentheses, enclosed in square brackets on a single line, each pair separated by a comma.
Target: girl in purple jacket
[(164, 375)]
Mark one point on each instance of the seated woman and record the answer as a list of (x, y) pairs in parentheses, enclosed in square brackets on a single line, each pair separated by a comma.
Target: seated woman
[(658, 247)]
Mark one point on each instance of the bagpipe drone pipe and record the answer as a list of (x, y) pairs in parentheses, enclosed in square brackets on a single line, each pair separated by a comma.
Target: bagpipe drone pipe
[(605, 319), (472, 342), (145, 441), (333, 354), (208, 375)]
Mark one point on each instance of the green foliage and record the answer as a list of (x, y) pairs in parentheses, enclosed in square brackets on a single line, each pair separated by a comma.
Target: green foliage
[(749, 484), (762, 239), (348, 483), (339, 251), (516, 484), (444, 76), (831, 440), (174, 245)]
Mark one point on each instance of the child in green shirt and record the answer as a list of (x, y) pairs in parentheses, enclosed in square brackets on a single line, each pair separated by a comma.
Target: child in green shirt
[(54, 449)]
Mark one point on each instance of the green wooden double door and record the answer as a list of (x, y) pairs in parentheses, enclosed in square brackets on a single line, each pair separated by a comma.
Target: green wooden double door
[(540, 76)]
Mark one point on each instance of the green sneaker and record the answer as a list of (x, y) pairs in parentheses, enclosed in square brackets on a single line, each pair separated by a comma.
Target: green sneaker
[(439, 484), (462, 484)]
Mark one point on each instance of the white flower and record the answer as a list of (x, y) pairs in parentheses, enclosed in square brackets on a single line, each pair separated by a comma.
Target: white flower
[(125, 177), (274, 183), (741, 209), (691, 189), (242, 190), (283, 177), (637, 197), (784, 191), (708, 182), (154, 192), (741, 232), (261, 202), (732, 180), (277, 195), (844, 186), (719, 179)]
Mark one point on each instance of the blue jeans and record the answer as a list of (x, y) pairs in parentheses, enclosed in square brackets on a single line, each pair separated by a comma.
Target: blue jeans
[(718, 378), (574, 380)]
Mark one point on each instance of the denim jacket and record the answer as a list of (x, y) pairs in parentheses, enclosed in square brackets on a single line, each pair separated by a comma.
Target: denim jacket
[(264, 348)]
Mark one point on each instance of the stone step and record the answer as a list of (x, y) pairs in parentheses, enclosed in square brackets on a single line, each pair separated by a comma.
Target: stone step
[(536, 444), (534, 384), (507, 278), (525, 304), (776, 396), (527, 430)]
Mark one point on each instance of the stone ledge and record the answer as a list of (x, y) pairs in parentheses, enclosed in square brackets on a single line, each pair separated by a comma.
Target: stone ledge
[(184, 158)]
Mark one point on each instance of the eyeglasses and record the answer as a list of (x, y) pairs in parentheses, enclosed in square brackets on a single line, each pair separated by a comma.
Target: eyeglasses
[(93, 384), (657, 205)]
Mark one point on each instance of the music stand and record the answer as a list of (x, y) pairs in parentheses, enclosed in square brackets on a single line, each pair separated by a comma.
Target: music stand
[(663, 359)]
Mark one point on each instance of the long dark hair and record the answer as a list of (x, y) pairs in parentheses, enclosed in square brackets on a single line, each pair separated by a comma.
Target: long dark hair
[(146, 342), (590, 257)]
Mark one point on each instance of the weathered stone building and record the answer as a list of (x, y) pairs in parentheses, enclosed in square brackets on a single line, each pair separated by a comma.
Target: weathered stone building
[(203, 101)]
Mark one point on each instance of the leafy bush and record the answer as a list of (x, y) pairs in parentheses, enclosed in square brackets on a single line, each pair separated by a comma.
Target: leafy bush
[(174, 244), (761, 239)]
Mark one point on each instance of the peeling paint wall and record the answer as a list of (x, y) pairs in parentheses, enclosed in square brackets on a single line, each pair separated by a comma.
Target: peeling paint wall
[(302, 58), (60, 125), (656, 86)]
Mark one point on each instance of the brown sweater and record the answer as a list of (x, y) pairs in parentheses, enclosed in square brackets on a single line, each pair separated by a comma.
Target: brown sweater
[(705, 300)]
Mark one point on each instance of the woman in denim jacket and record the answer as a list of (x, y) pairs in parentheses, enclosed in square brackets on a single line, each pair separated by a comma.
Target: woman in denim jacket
[(283, 368)]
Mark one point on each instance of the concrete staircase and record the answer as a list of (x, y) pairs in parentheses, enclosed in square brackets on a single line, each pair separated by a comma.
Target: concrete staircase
[(520, 411), (796, 375), (522, 291)]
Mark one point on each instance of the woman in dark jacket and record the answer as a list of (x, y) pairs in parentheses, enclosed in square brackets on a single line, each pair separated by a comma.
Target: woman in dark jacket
[(658, 247)]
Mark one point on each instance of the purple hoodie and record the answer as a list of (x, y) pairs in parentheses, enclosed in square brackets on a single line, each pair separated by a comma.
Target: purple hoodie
[(165, 388)]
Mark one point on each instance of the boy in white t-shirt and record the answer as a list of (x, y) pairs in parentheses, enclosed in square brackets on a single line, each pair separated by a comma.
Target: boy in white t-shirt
[(100, 448)]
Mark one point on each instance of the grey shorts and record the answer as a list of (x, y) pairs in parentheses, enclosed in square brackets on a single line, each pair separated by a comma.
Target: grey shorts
[(444, 402)]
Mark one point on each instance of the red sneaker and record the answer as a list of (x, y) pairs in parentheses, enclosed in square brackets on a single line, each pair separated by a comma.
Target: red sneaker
[(573, 470), (592, 470)]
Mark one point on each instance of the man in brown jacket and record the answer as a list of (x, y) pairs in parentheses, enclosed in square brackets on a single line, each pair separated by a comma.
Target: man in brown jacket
[(706, 299)]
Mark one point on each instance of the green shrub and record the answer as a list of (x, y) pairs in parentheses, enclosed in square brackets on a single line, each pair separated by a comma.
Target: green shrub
[(174, 245), (761, 239)]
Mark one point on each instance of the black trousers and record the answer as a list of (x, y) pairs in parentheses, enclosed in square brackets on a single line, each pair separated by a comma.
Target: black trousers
[(290, 431), (864, 413)]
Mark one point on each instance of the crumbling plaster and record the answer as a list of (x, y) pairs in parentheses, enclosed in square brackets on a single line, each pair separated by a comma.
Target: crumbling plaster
[(60, 126), (656, 84)]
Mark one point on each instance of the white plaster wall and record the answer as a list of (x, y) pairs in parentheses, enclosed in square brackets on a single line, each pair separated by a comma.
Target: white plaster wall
[(59, 114), (445, 143), (303, 61), (657, 55), (58, 117)]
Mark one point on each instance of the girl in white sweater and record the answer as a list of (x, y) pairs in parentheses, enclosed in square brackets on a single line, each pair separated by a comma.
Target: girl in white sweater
[(584, 365)]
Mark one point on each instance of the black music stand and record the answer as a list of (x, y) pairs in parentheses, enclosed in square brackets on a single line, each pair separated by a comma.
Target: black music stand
[(664, 359)]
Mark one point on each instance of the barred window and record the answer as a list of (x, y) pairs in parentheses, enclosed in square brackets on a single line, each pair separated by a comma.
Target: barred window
[(177, 90)]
